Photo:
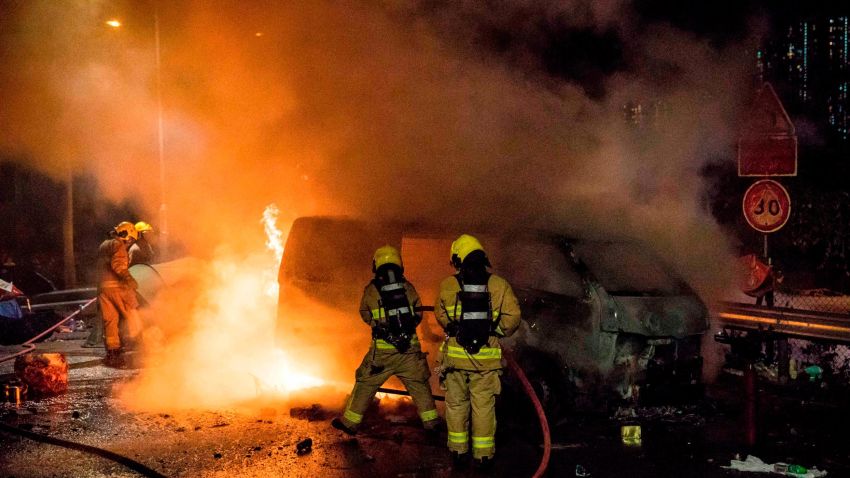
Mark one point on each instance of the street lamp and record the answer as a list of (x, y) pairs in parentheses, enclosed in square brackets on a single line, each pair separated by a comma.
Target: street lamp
[(163, 208)]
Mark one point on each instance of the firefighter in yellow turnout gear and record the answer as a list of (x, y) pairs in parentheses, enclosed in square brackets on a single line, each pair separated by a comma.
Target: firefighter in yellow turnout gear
[(475, 307), (388, 306)]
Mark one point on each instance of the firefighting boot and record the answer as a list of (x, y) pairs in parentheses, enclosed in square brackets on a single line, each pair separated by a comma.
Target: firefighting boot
[(337, 423), (114, 358), (460, 460), (483, 463)]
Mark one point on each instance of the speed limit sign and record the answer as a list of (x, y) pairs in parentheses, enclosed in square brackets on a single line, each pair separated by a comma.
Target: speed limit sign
[(767, 206)]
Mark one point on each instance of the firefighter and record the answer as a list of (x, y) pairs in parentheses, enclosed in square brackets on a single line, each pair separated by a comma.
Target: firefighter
[(476, 308), (389, 306), (116, 294), (141, 252)]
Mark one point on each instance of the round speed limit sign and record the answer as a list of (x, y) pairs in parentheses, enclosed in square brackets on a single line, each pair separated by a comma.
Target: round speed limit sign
[(767, 206)]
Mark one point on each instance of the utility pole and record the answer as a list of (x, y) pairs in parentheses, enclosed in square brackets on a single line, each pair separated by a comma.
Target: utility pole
[(163, 208), (70, 261)]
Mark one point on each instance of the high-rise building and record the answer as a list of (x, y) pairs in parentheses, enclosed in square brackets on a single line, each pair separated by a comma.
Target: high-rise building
[(808, 62)]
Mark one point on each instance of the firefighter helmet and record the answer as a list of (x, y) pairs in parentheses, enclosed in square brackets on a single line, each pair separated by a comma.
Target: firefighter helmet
[(142, 226), (126, 231), (462, 247), (386, 255)]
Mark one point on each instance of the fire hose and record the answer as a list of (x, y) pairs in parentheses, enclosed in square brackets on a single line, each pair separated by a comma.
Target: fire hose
[(538, 407), (532, 395), (29, 345), (121, 459)]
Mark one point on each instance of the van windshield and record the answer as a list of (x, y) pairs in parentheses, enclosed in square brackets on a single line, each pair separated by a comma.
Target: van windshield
[(626, 268)]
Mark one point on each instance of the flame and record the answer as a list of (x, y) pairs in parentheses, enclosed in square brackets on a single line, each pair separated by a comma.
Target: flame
[(274, 243), (282, 375), (219, 349)]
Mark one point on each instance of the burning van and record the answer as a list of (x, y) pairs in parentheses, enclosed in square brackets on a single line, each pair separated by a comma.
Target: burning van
[(599, 316)]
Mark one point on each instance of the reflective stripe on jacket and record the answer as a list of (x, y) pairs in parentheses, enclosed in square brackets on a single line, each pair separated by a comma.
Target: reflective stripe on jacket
[(506, 314), (373, 314)]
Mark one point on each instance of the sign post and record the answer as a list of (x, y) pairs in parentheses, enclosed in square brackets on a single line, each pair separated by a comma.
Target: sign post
[(767, 147)]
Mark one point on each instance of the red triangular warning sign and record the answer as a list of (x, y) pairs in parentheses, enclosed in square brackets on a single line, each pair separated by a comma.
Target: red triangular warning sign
[(767, 116), (768, 145)]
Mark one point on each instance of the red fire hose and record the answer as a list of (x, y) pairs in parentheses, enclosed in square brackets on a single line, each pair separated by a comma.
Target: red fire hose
[(29, 345), (541, 415)]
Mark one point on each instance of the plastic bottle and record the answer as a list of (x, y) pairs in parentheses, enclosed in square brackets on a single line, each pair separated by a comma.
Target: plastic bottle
[(789, 469)]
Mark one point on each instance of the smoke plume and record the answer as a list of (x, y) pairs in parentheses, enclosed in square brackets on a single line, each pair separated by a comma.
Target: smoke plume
[(429, 111)]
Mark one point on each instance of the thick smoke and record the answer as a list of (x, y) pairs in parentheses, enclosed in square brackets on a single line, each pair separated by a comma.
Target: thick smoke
[(405, 110), (398, 110)]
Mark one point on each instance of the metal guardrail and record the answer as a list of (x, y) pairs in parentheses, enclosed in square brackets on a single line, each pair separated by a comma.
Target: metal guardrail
[(55, 305), (785, 322)]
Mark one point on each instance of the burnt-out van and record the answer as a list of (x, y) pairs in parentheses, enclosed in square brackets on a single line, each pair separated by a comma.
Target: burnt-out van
[(599, 316)]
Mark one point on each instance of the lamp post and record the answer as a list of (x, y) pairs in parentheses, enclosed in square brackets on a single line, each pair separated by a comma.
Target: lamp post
[(163, 208)]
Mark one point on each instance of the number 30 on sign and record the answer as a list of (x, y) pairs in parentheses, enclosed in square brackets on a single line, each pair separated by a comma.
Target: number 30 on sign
[(767, 206)]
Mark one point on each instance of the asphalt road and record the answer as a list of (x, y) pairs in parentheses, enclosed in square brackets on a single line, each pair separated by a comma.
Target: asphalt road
[(684, 441)]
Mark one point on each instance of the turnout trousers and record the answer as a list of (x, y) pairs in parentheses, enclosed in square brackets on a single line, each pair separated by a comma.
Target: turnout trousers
[(411, 368), (118, 303), (470, 391)]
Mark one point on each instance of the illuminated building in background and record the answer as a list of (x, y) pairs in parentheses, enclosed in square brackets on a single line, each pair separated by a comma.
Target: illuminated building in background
[(809, 64), (646, 114)]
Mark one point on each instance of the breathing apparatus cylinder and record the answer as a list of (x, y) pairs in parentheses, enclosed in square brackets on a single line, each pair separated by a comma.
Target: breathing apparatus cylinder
[(476, 316), (400, 324)]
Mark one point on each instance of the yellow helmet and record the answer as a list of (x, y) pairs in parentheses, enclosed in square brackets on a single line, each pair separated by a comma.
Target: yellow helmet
[(463, 246), (386, 255), (142, 226), (126, 231)]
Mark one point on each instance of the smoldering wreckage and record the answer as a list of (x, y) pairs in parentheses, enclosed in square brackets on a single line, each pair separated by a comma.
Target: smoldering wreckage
[(596, 337)]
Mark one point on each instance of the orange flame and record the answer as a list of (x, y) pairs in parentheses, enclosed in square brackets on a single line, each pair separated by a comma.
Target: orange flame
[(219, 350)]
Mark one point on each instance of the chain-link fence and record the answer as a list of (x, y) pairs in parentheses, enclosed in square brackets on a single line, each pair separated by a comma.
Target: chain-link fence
[(817, 360), (820, 300)]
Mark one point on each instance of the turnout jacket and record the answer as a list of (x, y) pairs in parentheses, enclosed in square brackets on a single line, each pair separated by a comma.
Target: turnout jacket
[(375, 316), (113, 264), (506, 316)]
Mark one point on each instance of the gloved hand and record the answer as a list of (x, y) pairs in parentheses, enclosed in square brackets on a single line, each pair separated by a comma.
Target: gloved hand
[(452, 328), (131, 283)]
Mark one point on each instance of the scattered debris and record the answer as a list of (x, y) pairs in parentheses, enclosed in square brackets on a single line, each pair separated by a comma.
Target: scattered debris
[(690, 415), (755, 464), (304, 447), (631, 435), (815, 372), (395, 419), (313, 413), (565, 446)]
